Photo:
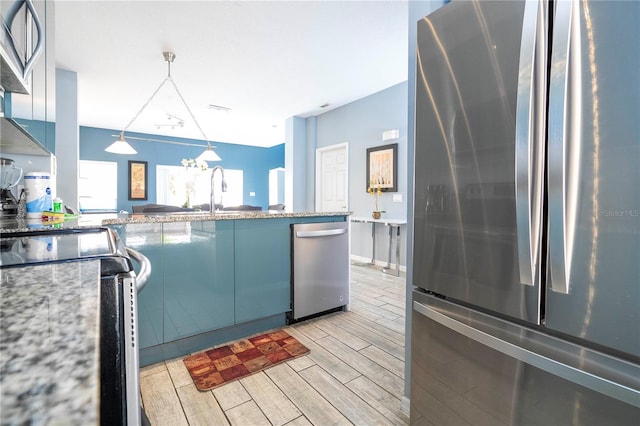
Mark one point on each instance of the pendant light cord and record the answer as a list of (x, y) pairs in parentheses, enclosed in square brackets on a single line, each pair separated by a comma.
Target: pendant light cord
[(170, 79)]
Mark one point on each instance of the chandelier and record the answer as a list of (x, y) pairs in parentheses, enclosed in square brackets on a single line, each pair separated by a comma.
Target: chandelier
[(121, 146)]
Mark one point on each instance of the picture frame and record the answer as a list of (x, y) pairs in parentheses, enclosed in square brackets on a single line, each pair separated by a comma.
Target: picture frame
[(382, 167), (137, 180)]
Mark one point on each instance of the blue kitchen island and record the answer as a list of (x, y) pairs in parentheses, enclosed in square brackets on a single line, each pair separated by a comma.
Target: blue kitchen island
[(214, 278)]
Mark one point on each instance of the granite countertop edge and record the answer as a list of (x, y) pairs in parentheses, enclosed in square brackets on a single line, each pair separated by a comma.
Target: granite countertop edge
[(194, 217), (96, 221)]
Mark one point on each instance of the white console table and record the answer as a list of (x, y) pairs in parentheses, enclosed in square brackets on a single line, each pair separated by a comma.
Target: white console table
[(394, 230)]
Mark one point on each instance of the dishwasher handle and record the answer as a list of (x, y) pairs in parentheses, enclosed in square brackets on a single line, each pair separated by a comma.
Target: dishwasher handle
[(322, 233), (145, 268)]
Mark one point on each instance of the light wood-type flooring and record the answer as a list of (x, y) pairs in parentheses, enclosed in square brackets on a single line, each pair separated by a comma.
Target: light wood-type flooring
[(354, 373)]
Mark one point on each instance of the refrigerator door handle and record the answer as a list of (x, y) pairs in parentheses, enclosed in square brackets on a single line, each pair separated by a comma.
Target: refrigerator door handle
[(529, 147), (576, 375), (564, 142)]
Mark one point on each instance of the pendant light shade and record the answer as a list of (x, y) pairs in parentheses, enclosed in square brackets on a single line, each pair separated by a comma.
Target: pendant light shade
[(209, 155), (121, 146)]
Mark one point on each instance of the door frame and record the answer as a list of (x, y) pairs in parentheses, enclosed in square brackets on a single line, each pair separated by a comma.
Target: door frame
[(318, 185)]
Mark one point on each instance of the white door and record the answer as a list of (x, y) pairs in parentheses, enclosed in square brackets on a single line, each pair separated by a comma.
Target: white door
[(332, 178)]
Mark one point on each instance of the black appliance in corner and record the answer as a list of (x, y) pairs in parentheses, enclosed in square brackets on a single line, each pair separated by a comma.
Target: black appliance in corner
[(119, 285)]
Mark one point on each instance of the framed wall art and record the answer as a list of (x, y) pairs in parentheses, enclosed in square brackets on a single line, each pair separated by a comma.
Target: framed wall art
[(137, 180), (382, 167)]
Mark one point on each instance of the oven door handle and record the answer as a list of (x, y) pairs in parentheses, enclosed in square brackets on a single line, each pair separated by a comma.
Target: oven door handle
[(145, 268)]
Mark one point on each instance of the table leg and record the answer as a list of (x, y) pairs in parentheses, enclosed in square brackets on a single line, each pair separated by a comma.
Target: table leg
[(373, 248), (387, 269)]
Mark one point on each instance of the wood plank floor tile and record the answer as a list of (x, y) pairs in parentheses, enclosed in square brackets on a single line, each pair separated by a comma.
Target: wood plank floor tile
[(364, 365), (247, 414), (366, 313), (373, 337), (386, 404), (331, 363), (300, 421), (161, 402), (200, 408), (350, 339), (393, 325), (314, 407), (178, 372), (390, 362), (231, 395), (270, 399), (364, 297), (358, 304), (310, 330), (152, 369), (368, 327), (301, 362), (348, 403)]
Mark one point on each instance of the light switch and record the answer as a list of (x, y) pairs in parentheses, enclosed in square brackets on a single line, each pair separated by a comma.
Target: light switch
[(397, 198), (252, 194)]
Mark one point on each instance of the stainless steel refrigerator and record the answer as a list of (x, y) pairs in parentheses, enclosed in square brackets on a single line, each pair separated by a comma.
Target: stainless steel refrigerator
[(526, 256)]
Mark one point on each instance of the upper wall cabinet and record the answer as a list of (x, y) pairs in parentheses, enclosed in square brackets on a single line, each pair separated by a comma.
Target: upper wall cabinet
[(27, 48), (21, 44)]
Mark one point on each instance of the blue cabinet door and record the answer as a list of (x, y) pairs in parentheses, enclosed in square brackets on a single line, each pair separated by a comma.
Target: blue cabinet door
[(262, 268), (147, 239), (197, 260)]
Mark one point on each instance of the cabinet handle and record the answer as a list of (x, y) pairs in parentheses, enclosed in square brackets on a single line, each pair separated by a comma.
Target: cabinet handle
[(11, 15)]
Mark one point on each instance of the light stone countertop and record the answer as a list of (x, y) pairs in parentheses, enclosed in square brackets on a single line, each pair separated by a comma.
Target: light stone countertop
[(199, 216), (49, 344), (96, 220)]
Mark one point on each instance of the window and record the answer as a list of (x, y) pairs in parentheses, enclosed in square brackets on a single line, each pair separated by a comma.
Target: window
[(98, 185), (171, 182)]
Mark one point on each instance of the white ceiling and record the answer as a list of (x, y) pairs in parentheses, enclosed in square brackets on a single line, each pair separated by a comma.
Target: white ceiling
[(266, 60)]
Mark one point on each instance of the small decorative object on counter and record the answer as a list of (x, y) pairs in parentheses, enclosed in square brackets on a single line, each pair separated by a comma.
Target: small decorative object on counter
[(375, 190), (192, 168), (57, 205)]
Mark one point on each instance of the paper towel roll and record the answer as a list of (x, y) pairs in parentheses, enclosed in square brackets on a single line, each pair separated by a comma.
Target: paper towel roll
[(38, 188)]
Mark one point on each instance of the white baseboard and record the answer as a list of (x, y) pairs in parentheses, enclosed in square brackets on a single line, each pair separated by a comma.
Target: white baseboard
[(405, 405), (380, 263)]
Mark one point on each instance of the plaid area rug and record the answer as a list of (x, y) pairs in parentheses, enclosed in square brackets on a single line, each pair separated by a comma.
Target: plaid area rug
[(215, 367)]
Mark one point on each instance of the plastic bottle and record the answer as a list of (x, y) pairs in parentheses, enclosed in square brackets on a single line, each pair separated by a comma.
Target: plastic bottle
[(57, 205)]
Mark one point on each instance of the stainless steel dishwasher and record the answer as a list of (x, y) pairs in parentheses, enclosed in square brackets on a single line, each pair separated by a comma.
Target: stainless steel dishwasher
[(320, 268)]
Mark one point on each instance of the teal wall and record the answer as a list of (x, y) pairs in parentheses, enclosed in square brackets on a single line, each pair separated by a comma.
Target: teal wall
[(254, 161)]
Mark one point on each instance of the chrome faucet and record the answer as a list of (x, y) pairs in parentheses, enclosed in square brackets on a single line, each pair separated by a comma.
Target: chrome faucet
[(212, 207)]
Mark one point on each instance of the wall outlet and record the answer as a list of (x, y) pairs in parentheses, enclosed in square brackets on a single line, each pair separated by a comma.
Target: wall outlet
[(252, 194), (397, 198)]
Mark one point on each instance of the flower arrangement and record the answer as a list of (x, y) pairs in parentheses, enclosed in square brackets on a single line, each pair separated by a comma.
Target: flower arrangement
[(375, 190), (200, 164), (192, 168)]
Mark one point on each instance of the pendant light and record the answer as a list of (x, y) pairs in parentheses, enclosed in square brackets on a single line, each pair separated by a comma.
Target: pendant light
[(121, 146), (209, 154)]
